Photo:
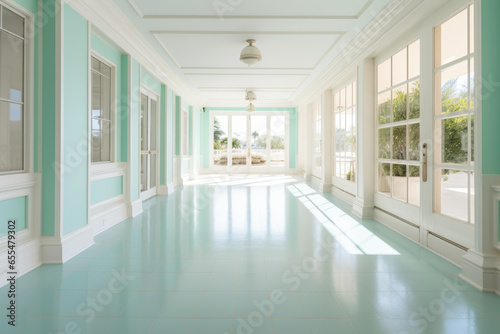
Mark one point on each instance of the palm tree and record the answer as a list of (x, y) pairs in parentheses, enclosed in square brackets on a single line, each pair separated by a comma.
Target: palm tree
[(255, 135), (218, 132)]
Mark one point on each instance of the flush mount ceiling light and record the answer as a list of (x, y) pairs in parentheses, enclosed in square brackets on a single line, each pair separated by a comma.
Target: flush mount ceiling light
[(251, 96), (251, 54)]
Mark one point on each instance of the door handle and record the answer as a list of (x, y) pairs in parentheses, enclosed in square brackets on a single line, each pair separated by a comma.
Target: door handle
[(424, 162)]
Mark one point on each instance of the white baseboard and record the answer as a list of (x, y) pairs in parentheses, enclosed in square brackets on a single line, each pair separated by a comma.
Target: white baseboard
[(163, 190), (134, 209), (108, 214), (60, 250), (171, 188), (346, 197), (321, 186), (361, 210), (28, 258), (397, 225), (482, 271)]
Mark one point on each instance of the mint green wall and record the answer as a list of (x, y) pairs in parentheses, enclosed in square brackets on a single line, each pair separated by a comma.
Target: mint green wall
[(134, 140), (294, 138), (490, 92), (114, 56), (293, 133), (170, 135), (205, 138), (106, 189), (13, 209), (75, 119), (163, 144), (48, 121), (191, 137), (150, 82), (177, 125)]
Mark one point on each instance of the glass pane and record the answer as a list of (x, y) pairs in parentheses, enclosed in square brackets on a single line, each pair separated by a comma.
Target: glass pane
[(342, 121), (384, 108), (400, 67), (384, 179), (96, 95), (342, 99), (451, 39), (455, 144), (259, 140), (349, 118), (454, 83), (414, 186), (384, 75), (399, 104), (220, 140), (11, 137), (414, 58), (452, 193), (278, 141), (12, 22), (414, 142), (399, 142), (414, 99), (144, 123), (349, 96), (11, 67), (239, 145), (384, 143), (106, 97), (144, 172), (152, 129), (471, 28), (96, 64), (152, 177), (106, 70), (96, 140), (399, 183), (106, 141)]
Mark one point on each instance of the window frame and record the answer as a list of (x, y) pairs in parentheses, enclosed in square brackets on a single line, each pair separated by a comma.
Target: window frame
[(28, 86), (112, 112)]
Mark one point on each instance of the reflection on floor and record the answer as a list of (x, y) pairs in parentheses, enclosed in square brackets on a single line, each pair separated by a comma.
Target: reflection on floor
[(251, 254)]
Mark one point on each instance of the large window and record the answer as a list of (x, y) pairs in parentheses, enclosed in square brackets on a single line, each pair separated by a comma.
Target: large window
[(12, 99), (454, 116), (345, 133), (102, 97), (398, 125)]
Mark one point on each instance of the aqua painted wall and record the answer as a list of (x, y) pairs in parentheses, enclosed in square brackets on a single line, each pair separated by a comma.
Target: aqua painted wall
[(150, 82), (106, 189), (13, 209), (170, 135), (490, 92), (48, 120), (135, 123), (115, 57), (178, 107), (75, 119)]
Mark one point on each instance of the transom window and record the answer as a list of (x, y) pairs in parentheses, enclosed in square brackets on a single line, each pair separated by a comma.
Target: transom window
[(454, 117), (398, 125), (102, 97), (345, 133), (12, 99)]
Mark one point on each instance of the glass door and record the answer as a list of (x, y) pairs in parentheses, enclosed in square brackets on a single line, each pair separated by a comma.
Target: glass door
[(260, 159), (149, 153), (240, 150)]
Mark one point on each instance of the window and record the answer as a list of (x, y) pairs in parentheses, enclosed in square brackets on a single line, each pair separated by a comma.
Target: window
[(345, 133), (398, 125), (185, 132), (454, 117), (12, 98), (102, 98)]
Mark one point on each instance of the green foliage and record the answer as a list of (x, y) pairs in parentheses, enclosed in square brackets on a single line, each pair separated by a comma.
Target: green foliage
[(236, 143), (218, 132), (277, 142)]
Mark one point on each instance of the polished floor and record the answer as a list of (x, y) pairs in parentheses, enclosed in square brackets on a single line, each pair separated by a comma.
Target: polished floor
[(251, 255)]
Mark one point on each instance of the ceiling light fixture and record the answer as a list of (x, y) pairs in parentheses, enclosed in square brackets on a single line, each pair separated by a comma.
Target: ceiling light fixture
[(251, 96), (251, 54), (251, 108)]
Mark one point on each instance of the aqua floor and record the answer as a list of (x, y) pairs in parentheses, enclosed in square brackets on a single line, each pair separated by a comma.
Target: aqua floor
[(250, 255)]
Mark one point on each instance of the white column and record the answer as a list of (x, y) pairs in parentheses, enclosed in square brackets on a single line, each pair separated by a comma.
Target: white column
[(326, 145), (308, 142), (364, 203)]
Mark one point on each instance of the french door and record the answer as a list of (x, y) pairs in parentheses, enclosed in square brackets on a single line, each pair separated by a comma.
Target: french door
[(425, 130), (243, 143), (149, 145)]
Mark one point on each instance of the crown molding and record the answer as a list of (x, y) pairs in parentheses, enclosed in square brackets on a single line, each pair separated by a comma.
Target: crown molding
[(136, 8), (109, 18), (366, 41), (230, 32)]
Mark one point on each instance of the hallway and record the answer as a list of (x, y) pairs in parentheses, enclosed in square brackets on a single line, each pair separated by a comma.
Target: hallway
[(251, 254)]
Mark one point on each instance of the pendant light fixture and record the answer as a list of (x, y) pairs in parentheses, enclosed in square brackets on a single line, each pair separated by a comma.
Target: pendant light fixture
[(251, 54), (251, 96)]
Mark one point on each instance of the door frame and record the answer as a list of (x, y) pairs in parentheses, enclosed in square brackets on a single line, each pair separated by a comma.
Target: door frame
[(153, 191), (248, 168)]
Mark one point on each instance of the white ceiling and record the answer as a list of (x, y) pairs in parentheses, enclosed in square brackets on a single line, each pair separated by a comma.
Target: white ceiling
[(298, 39)]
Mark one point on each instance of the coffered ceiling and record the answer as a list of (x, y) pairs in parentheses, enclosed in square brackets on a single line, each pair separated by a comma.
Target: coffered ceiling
[(203, 40)]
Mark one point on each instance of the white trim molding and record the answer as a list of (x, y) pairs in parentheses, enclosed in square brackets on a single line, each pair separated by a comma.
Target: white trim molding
[(134, 209), (60, 250), (482, 271)]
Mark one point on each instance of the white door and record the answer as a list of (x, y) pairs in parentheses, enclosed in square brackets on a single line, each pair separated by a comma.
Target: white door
[(149, 145)]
